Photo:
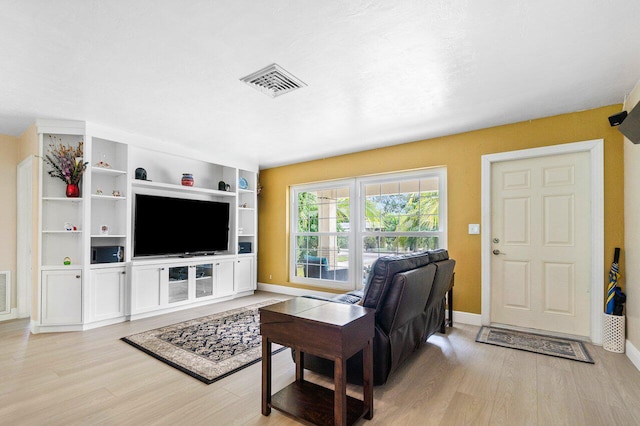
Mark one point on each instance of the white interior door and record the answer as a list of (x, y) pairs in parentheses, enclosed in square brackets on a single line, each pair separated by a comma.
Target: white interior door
[(541, 243)]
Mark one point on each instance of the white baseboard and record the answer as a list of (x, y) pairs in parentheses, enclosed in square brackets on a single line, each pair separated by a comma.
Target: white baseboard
[(466, 318), (102, 323), (292, 291), (633, 354), (12, 314), (37, 328)]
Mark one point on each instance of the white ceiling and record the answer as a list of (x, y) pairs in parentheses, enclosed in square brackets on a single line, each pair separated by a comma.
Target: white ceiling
[(378, 72)]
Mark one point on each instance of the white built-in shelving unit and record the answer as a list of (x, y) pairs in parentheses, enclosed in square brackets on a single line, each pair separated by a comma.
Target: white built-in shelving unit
[(85, 293)]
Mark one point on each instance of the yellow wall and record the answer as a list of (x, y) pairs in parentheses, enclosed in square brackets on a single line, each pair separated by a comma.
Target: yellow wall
[(8, 173), (461, 155)]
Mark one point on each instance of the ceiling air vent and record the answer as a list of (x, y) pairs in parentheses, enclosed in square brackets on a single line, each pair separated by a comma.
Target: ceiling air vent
[(273, 80)]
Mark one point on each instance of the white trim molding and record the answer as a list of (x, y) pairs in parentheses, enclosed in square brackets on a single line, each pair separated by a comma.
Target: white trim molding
[(6, 308), (596, 150), (633, 354), (293, 291), (12, 314)]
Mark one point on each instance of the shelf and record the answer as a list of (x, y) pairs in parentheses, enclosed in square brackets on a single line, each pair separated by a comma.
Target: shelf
[(245, 191), (180, 188), (107, 197), (60, 267), (108, 265), (314, 403), (63, 199), (62, 232), (246, 235), (108, 236), (246, 208), (105, 171)]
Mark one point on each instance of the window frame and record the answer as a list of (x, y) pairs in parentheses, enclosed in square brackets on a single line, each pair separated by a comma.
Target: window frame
[(357, 196), (294, 233)]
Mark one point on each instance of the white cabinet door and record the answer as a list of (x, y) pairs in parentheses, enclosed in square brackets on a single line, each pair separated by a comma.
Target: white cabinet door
[(146, 283), (61, 297), (244, 275), (224, 277), (179, 283), (203, 280), (107, 293)]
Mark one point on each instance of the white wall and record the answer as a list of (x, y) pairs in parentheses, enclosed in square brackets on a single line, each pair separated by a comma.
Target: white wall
[(631, 267)]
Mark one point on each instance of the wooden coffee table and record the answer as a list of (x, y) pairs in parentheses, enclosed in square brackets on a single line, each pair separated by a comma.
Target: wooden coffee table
[(329, 330)]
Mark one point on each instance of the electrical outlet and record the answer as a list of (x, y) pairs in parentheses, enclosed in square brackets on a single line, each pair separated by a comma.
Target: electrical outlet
[(474, 228)]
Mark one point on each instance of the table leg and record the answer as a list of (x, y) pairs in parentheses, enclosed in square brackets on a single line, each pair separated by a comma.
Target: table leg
[(340, 393), (299, 365), (266, 376), (367, 379), (450, 304)]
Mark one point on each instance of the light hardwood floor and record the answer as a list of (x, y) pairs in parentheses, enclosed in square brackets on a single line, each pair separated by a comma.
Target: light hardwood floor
[(92, 378)]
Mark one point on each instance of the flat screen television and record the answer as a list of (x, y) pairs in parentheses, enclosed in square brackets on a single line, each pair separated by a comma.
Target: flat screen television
[(165, 226)]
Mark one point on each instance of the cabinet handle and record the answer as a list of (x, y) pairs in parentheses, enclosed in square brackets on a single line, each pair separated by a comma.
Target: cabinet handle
[(123, 272), (77, 276)]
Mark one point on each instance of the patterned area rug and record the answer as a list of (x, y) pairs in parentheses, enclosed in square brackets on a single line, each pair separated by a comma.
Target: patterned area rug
[(546, 345), (208, 348)]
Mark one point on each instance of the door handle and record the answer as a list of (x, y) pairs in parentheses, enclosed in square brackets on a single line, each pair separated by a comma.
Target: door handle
[(497, 252)]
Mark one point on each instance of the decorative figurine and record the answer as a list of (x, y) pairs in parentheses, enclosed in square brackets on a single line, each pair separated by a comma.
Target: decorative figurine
[(187, 179)]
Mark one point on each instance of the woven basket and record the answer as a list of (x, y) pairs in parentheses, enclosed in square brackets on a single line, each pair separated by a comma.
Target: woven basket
[(613, 336)]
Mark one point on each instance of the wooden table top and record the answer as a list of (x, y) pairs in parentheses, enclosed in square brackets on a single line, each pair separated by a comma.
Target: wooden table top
[(326, 312)]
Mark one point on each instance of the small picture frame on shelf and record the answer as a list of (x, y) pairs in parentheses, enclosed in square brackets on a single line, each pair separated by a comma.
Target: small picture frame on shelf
[(104, 229)]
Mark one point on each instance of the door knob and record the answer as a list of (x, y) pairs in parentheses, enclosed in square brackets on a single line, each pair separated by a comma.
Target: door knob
[(497, 252)]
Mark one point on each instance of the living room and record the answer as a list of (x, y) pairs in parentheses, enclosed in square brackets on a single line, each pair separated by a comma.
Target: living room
[(456, 138)]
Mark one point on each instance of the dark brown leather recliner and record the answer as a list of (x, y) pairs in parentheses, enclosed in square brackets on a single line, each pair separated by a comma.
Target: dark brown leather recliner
[(408, 294)]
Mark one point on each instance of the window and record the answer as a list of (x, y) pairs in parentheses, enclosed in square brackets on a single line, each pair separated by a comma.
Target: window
[(321, 233), (338, 228)]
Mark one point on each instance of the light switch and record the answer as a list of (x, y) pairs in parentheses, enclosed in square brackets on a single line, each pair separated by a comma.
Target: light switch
[(474, 228)]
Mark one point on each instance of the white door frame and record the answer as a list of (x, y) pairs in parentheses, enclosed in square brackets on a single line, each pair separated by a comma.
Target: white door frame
[(24, 249), (595, 148)]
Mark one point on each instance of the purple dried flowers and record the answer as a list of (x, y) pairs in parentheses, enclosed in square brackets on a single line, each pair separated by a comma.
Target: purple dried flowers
[(66, 161)]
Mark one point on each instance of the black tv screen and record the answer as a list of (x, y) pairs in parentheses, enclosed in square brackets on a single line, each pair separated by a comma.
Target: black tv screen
[(177, 226)]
